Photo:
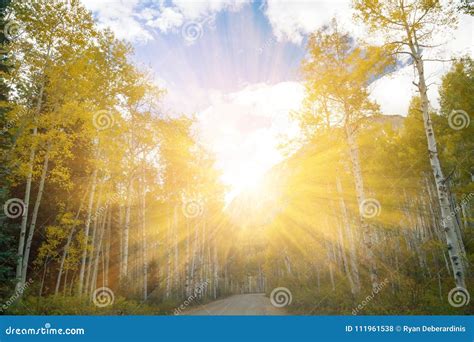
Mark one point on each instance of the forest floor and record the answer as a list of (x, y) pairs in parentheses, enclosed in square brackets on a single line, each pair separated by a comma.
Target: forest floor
[(255, 304)]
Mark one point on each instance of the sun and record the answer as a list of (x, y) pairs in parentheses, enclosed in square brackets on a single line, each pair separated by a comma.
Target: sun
[(246, 177)]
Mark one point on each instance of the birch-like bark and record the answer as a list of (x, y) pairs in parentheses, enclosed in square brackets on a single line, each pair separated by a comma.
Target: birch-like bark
[(360, 194), (91, 251), (354, 268), (453, 243), (86, 232), (208, 268), (168, 267), (68, 243), (194, 258), (144, 241), (121, 233), (124, 270), (65, 282), (216, 270), (29, 178), (176, 249), (34, 217), (44, 276), (330, 265), (187, 278), (24, 219), (97, 252), (107, 248)]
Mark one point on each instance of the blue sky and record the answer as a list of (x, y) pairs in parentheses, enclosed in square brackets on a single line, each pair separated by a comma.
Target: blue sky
[(233, 49), (235, 65), (241, 43)]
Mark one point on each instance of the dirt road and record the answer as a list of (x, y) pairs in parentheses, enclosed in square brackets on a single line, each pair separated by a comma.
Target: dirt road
[(244, 304)]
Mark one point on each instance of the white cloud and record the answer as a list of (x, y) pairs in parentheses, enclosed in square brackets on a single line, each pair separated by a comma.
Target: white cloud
[(133, 20), (197, 9), (167, 19), (121, 17), (293, 20)]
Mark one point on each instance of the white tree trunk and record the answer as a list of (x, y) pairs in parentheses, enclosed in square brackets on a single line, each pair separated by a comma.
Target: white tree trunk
[(68, 243), (86, 232), (24, 219), (216, 270), (447, 221), (350, 239), (144, 241), (176, 249), (97, 252), (124, 270), (330, 265), (107, 249), (34, 217), (360, 194), (29, 178), (169, 276), (187, 271), (96, 223), (121, 233), (194, 258)]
